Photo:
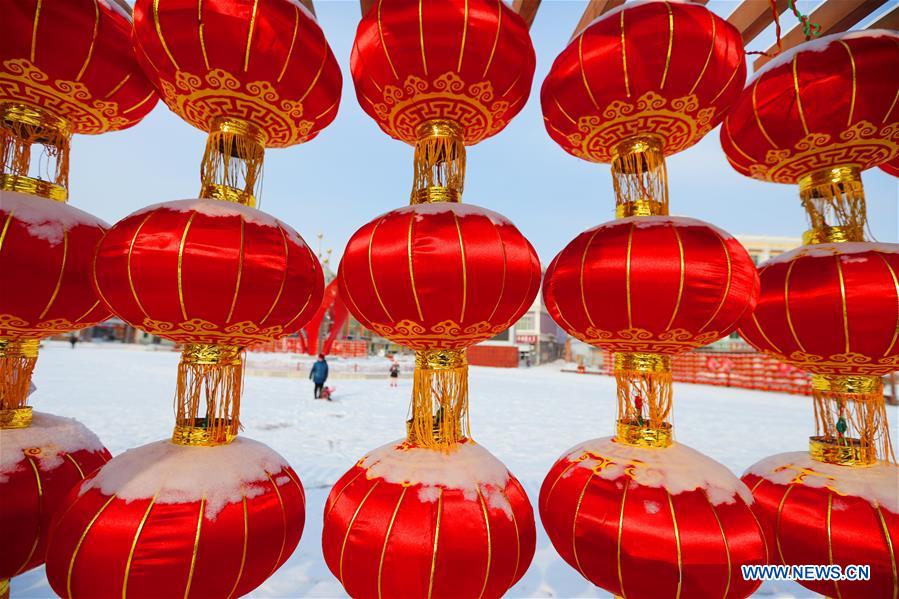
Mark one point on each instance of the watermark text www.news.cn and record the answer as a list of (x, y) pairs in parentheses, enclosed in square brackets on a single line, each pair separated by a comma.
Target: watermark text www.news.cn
[(806, 572)]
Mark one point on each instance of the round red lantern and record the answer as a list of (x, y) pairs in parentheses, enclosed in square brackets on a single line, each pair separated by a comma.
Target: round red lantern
[(818, 115), (819, 513), (652, 522), (412, 522), (216, 276), (642, 82), (177, 521), (65, 67), (39, 466), (462, 275), (254, 75)]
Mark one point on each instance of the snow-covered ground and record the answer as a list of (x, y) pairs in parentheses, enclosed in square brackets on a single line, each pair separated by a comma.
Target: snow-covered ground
[(526, 417)]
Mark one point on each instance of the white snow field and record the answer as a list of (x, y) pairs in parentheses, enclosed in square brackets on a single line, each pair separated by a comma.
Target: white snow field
[(526, 417)]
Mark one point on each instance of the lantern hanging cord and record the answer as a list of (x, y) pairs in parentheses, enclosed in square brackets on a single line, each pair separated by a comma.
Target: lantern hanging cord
[(439, 410), (207, 398), (809, 29), (439, 163)]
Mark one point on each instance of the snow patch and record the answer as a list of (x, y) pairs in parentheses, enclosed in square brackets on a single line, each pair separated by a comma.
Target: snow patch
[(469, 467), (878, 484), (677, 469), (819, 45), (216, 208), (54, 436), (46, 219), (184, 473), (460, 210), (848, 251)]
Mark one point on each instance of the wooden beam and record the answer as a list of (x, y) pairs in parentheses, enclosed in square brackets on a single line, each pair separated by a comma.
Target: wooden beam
[(595, 8), (309, 6), (888, 20), (365, 5), (125, 6), (751, 17), (526, 9), (834, 16)]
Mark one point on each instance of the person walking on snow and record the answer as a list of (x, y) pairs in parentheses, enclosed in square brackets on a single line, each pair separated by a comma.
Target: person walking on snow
[(394, 372), (319, 374)]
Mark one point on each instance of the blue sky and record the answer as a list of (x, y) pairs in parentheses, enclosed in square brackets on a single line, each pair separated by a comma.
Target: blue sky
[(353, 172)]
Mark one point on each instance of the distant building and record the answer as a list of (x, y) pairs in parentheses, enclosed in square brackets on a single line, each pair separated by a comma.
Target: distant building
[(764, 247)]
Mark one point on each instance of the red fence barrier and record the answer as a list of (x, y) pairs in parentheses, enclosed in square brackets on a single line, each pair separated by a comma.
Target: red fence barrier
[(747, 370)]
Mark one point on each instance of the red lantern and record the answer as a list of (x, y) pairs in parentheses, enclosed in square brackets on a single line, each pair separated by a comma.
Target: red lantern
[(177, 521), (818, 513), (460, 275), (470, 63), (652, 523), (39, 466), (818, 115), (651, 284), (65, 67), (411, 522), (252, 74), (642, 82)]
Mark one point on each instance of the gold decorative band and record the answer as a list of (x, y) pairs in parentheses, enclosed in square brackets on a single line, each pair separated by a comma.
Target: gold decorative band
[(19, 348), (642, 362), (441, 359), (439, 128), (239, 128), (854, 384), (210, 354), (200, 434), (631, 432), (838, 175), (16, 417), (834, 234), (640, 208), (848, 453), (218, 191), (641, 144), (37, 118), (33, 186), (435, 194)]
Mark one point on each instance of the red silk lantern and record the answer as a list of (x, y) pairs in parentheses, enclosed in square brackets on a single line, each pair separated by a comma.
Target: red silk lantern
[(65, 67), (651, 284), (252, 74), (656, 523), (177, 521), (642, 82), (39, 466), (461, 275), (417, 62), (410, 522), (818, 513), (45, 251), (818, 115)]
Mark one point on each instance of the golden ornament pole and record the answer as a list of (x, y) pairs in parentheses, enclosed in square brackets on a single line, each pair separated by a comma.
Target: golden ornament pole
[(231, 169)]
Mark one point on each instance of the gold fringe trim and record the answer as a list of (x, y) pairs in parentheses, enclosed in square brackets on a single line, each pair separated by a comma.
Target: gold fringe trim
[(4, 588), (231, 169), (834, 200), (17, 360), (644, 399), (640, 177), (851, 422), (207, 400), (439, 418), (21, 127), (439, 163)]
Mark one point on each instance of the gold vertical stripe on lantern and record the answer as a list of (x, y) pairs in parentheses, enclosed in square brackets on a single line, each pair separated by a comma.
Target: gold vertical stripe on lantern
[(439, 416), (644, 384), (207, 399)]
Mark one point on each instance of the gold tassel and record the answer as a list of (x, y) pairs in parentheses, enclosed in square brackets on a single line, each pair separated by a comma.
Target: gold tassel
[(850, 421), (640, 177), (231, 169), (834, 200), (21, 127), (439, 418), (17, 360), (644, 399), (207, 401), (439, 163)]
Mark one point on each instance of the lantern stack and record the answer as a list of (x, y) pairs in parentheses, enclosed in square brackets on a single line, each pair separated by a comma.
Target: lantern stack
[(639, 514), (436, 514), (65, 68), (206, 513), (818, 116)]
